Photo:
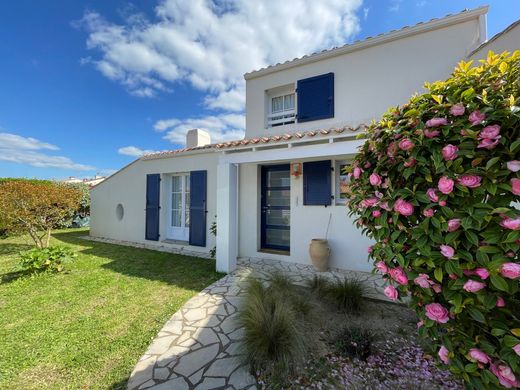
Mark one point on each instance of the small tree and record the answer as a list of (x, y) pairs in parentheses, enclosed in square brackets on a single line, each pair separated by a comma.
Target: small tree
[(36, 207)]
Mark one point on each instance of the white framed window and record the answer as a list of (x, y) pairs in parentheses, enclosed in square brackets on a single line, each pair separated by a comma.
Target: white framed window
[(179, 225), (342, 180), (282, 110)]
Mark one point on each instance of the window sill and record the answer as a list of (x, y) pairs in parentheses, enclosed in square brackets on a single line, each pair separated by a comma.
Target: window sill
[(275, 252)]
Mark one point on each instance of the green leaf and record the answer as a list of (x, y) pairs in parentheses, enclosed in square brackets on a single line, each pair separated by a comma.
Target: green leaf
[(492, 162), (499, 283), (438, 274), (472, 237), (477, 315), (514, 146)]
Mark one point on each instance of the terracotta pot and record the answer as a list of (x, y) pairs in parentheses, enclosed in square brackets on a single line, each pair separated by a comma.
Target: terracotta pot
[(320, 252)]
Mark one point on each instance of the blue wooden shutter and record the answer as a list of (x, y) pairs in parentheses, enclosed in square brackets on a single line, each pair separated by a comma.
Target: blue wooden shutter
[(317, 186), (198, 189), (315, 98), (153, 189)]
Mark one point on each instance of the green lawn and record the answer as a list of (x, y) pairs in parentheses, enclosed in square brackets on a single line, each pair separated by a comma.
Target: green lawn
[(87, 328)]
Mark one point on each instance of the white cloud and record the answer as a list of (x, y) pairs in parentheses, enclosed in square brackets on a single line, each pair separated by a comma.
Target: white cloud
[(224, 127), (365, 13), (395, 5), (22, 150), (133, 151), (211, 45)]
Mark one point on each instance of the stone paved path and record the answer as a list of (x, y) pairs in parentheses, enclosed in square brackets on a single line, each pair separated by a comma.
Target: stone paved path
[(199, 347)]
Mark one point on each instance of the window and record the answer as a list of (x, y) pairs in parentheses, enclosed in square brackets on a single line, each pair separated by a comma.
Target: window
[(316, 98), (342, 181), (282, 110)]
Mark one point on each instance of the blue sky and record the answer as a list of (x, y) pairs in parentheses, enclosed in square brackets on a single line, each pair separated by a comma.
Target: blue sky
[(85, 87)]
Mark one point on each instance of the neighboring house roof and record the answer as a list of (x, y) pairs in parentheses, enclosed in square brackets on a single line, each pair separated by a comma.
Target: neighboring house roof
[(393, 35), (258, 141), (495, 37)]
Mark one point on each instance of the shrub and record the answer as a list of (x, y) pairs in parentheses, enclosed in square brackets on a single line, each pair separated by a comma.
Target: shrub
[(434, 186), (354, 342), (276, 327), (50, 259), (346, 294)]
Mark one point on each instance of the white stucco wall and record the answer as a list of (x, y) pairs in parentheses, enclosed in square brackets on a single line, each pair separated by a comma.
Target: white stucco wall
[(348, 245), (128, 187), (507, 41), (370, 80)]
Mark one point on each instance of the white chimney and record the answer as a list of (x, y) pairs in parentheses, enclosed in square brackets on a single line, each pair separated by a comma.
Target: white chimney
[(197, 137)]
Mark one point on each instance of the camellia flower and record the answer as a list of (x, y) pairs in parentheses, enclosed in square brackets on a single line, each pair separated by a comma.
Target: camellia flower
[(513, 166), (357, 172), (370, 249), (445, 185), (391, 150), (437, 288), (488, 143), (505, 375), (423, 280), (501, 302), (447, 251), (479, 356), (370, 202), (406, 144), (470, 181), (436, 122), (391, 292), (436, 312), (443, 355), (428, 213), (476, 117), (398, 275), (450, 152), (510, 270), (432, 194), (515, 186), (453, 224), (382, 267), (489, 132), (516, 348), (375, 179), (403, 207), (473, 286), (482, 273), (511, 224), (457, 109), (410, 162), (376, 213), (442, 203), (431, 133)]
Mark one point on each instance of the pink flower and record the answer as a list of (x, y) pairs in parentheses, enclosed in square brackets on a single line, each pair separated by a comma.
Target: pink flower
[(382, 267), (447, 251), (436, 122), (375, 179), (428, 213), (473, 286), (367, 165), (384, 206), (370, 249), (391, 150), (470, 181), (489, 132), (450, 152), (479, 356), (442, 203), (515, 186), (516, 348), (505, 375), (501, 302), (443, 355), (488, 143), (513, 166), (420, 323), (438, 313), (357, 172), (437, 288), (398, 275), (423, 280), (431, 133), (510, 270), (482, 273), (445, 185), (432, 194), (376, 213), (476, 117), (457, 109), (406, 144), (370, 202), (403, 207), (511, 224), (391, 292), (410, 163), (453, 224)]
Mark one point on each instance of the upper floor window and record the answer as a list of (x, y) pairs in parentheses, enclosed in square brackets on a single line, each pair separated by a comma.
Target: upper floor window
[(282, 110)]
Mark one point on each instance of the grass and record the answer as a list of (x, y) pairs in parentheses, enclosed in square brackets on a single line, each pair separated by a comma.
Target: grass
[(346, 294), (86, 328)]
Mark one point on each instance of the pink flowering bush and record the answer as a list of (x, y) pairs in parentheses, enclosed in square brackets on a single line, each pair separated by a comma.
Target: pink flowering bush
[(439, 199)]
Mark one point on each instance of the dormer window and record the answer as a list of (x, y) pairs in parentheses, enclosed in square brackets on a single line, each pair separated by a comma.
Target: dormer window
[(282, 107)]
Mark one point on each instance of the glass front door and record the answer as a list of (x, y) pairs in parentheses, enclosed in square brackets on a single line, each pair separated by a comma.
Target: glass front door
[(276, 207), (179, 226)]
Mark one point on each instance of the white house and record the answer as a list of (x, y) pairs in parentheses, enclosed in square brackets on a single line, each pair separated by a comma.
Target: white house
[(281, 186)]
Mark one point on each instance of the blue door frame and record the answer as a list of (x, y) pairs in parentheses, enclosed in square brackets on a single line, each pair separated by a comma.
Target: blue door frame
[(266, 208)]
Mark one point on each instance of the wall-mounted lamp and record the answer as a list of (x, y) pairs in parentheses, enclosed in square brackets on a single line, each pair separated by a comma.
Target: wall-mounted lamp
[(296, 169)]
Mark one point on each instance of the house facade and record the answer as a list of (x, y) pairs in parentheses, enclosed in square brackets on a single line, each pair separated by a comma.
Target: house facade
[(283, 184)]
